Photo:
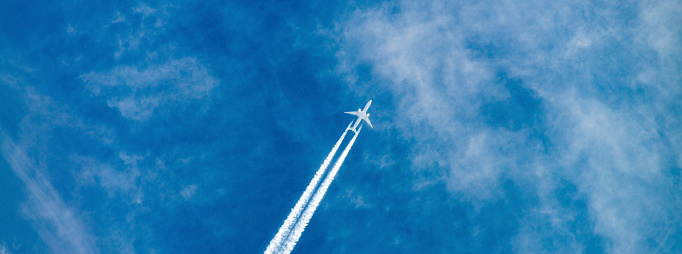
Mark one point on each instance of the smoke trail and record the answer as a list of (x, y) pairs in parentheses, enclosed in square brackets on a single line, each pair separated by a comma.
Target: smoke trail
[(290, 243), (285, 229)]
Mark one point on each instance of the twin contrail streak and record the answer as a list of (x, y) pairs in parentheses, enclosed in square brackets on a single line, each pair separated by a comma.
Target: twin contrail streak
[(298, 229), (285, 229)]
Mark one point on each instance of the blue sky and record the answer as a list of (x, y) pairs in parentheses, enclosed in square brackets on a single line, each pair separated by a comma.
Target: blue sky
[(193, 127)]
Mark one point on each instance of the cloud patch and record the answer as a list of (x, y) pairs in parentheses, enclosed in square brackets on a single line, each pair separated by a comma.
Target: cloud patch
[(497, 94), (57, 223), (188, 192), (137, 93)]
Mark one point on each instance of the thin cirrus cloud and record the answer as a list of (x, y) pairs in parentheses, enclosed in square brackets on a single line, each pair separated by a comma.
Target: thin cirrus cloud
[(547, 112), (528, 127), (57, 212), (60, 152), (58, 224), (138, 94), (46, 172)]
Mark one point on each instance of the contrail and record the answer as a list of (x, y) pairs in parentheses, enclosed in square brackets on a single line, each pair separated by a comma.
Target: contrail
[(290, 243), (286, 227)]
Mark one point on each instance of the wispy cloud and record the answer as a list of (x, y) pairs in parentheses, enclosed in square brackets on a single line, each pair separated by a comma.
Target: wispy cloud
[(146, 75), (188, 191), (137, 93), (659, 21), (91, 171), (57, 218), (535, 93), (57, 223)]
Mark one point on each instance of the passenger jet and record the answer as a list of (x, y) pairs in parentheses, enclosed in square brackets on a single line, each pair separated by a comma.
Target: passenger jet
[(362, 115)]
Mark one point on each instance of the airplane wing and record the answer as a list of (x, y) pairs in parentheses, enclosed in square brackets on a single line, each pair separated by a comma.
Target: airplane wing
[(355, 113), (367, 120)]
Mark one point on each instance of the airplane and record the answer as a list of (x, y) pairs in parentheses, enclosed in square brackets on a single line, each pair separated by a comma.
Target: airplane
[(362, 115)]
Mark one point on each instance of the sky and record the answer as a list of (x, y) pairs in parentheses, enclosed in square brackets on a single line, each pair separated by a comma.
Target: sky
[(513, 126)]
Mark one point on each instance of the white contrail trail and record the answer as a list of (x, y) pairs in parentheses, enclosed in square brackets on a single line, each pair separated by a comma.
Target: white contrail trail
[(285, 229), (290, 243)]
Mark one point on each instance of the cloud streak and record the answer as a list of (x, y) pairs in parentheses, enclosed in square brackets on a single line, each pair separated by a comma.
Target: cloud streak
[(285, 229), (3, 249), (300, 226), (138, 93), (547, 95), (57, 223)]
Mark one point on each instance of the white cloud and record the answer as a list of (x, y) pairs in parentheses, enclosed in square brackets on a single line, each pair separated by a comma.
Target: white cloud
[(424, 59), (57, 220), (580, 42), (144, 9), (114, 180), (139, 93), (57, 223), (354, 198), (119, 18), (188, 191), (608, 145), (615, 160), (660, 21), (129, 159), (137, 35)]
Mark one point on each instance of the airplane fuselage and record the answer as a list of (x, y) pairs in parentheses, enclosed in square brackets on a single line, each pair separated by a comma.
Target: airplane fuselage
[(362, 116)]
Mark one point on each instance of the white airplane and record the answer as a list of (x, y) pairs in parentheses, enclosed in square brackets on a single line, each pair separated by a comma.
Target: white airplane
[(362, 115)]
